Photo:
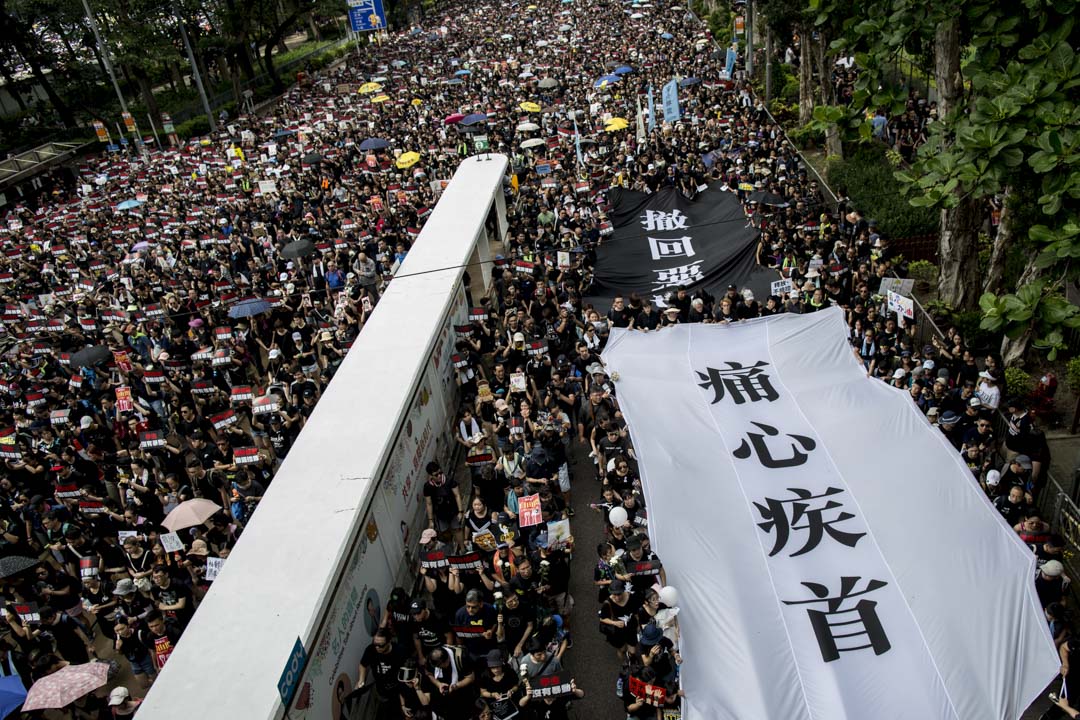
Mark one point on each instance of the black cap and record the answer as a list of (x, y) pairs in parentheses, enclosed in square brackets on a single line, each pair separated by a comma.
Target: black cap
[(617, 587), (417, 606)]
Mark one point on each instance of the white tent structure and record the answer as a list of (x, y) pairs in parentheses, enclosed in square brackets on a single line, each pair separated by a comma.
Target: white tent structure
[(834, 557)]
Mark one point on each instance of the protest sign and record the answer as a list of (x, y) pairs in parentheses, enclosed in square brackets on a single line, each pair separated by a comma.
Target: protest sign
[(529, 511)]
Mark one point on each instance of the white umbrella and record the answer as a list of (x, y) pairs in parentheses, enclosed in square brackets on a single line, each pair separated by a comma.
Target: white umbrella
[(531, 143), (527, 127), (636, 16), (564, 27), (190, 513)]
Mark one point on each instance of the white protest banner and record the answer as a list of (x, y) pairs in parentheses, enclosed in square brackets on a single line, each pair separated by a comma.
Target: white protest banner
[(171, 542), (213, 567), (779, 287), (824, 604), (267, 186), (902, 306)]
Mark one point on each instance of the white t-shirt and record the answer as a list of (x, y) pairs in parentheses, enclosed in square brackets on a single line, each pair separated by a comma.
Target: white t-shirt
[(990, 395)]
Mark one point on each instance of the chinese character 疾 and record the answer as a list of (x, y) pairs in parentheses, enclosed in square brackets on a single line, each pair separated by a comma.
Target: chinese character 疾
[(775, 514)]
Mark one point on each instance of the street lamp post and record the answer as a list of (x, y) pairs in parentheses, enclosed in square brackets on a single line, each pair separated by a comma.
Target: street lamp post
[(194, 69)]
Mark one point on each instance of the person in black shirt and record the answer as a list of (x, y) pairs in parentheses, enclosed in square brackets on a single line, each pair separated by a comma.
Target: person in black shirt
[(383, 660), (648, 318), (618, 314)]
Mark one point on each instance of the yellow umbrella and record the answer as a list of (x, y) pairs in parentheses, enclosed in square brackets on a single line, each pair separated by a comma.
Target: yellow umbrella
[(407, 160), (417, 102), (370, 87), (615, 124), (529, 107), (380, 98)]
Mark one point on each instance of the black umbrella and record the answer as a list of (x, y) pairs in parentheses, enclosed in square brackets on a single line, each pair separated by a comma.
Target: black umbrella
[(313, 158), (374, 144), (767, 198), (249, 308), (90, 356), (298, 249), (15, 564)]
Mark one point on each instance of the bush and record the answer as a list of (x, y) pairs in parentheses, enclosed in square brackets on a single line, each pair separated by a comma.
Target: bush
[(1072, 374), (867, 177), (194, 127), (806, 136), (1018, 382), (923, 271)]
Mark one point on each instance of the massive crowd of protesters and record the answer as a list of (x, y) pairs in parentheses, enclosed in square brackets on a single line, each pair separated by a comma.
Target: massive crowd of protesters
[(171, 321)]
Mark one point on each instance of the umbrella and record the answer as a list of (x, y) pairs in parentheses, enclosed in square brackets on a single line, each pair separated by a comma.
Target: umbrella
[(90, 356), (615, 124), (506, 36), (623, 70), (374, 144), (128, 205), (298, 249), (474, 118), (370, 87), (312, 158), (530, 107), (14, 564), (548, 83), (190, 513), (398, 63), (454, 81), (283, 134), (462, 73), (67, 685), (687, 82), (636, 16), (527, 127), (380, 98), (667, 36), (12, 694), (607, 80), (407, 160), (453, 118), (142, 245), (531, 143), (564, 27), (767, 198), (249, 307)]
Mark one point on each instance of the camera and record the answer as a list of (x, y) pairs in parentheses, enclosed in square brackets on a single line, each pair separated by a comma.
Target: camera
[(406, 674)]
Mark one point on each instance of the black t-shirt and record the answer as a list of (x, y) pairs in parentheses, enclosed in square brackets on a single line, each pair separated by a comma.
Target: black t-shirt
[(384, 668), (430, 632), (501, 708), (443, 504), (172, 595)]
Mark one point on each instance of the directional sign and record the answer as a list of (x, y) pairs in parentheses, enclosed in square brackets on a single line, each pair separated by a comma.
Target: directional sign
[(366, 15)]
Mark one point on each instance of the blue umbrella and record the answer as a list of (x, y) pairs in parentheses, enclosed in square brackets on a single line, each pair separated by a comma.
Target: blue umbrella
[(473, 119), (623, 70), (454, 81), (12, 694), (667, 36), (607, 80), (283, 134), (687, 82), (249, 307), (128, 205), (462, 73), (374, 144)]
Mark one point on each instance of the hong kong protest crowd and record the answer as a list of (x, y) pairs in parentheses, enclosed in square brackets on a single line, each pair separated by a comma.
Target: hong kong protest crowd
[(170, 321)]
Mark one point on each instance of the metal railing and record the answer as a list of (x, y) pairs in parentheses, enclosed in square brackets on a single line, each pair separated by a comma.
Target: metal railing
[(1055, 504)]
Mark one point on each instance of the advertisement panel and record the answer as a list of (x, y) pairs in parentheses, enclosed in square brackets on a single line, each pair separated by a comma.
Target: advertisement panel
[(383, 556)]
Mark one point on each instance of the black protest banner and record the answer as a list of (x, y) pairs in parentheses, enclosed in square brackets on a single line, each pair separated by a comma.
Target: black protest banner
[(664, 240)]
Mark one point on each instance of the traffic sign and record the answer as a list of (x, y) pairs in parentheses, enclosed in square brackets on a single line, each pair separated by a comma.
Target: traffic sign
[(366, 15), (290, 676), (481, 143)]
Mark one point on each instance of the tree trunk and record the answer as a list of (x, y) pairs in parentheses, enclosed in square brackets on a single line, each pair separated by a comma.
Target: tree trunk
[(806, 78), (1002, 243), (958, 244), (177, 76), (19, 39), (10, 83), (958, 279), (1014, 350), (313, 28), (146, 89)]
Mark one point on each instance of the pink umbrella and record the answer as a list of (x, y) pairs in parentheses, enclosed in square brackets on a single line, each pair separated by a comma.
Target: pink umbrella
[(453, 119), (190, 513), (66, 685)]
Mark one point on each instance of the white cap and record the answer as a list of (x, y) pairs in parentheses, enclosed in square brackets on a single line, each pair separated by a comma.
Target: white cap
[(993, 478), (898, 373), (86, 421), (118, 696)]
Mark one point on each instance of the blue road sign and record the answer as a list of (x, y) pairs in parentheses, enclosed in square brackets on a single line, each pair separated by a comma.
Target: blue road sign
[(366, 15), (290, 676)]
